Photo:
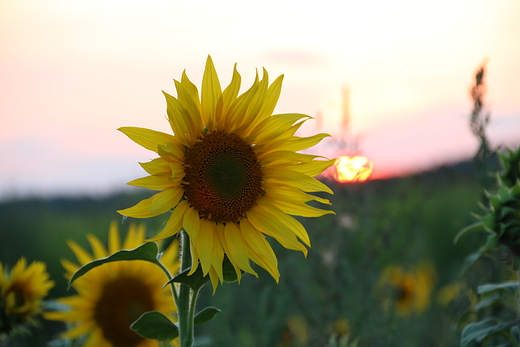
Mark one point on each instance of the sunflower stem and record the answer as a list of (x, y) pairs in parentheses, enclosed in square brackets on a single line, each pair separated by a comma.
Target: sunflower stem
[(184, 308), (172, 285)]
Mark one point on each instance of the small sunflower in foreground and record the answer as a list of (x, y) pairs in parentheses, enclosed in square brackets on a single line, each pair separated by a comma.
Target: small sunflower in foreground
[(112, 296), (408, 291), (21, 293), (231, 173)]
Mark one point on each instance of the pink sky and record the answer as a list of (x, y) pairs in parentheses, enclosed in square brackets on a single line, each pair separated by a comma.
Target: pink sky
[(71, 73)]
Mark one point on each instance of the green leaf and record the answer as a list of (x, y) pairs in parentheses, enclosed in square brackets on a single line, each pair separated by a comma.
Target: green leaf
[(147, 251), (487, 301), (155, 325), (205, 315), (472, 227), (195, 281), (510, 287), (470, 260), (480, 330)]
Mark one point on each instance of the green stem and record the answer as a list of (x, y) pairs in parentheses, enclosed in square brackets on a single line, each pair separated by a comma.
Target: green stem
[(183, 304), (172, 285)]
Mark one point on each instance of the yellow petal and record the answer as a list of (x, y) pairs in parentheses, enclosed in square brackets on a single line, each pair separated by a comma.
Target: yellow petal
[(275, 126), (289, 221), (97, 247), (166, 200), (290, 194), (113, 238), (270, 100), (180, 121), (266, 223), (83, 329), (95, 338), (147, 138), (254, 106), (173, 153), (313, 168), (191, 224), (192, 90), (155, 182), (237, 248), (220, 231), (210, 94), (213, 276), (217, 254), (285, 157), (177, 171), (191, 106), (194, 259), (134, 237), (274, 143), (205, 244), (82, 256), (228, 97), (69, 267), (141, 210), (300, 209), (174, 223), (300, 143), (157, 166), (261, 251), (237, 110), (295, 179)]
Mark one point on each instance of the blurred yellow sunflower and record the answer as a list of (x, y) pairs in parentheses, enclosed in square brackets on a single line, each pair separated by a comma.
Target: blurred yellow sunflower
[(23, 289), (231, 173), (409, 291), (112, 296)]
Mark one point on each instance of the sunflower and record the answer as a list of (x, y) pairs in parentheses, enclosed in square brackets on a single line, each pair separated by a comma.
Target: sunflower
[(22, 291), (112, 296), (409, 290), (231, 173)]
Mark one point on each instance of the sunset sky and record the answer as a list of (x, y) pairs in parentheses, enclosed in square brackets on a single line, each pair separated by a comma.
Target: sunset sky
[(72, 72)]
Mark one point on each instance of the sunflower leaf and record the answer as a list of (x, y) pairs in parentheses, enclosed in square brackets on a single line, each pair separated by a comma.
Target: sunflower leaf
[(195, 281), (476, 332), (205, 315), (147, 251), (155, 325)]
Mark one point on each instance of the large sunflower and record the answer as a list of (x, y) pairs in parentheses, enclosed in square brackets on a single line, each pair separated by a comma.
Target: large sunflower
[(22, 291), (112, 296), (231, 173)]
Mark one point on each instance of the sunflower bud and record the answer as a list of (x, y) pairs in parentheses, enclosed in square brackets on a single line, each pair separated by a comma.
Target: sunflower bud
[(503, 216), (511, 162)]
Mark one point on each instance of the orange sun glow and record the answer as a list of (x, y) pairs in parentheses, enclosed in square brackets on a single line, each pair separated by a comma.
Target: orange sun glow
[(352, 169)]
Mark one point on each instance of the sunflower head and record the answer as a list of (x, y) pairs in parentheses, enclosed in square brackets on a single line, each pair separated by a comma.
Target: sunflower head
[(502, 216), (112, 296), (408, 291), (511, 162), (230, 174), (22, 290)]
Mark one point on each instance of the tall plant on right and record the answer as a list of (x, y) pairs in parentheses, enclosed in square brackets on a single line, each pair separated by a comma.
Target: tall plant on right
[(495, 319)]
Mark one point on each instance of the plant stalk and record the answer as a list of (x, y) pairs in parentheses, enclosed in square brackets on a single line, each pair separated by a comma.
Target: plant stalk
[(184, 309)]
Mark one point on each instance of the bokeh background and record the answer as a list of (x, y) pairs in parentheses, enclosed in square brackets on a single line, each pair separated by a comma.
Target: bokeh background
[(72, 72)]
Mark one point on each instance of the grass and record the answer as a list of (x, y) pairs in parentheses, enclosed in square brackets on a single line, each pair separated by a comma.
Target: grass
[(401, 221)]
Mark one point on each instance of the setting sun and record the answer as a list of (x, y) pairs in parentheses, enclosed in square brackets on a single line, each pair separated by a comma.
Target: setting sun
[(352, 169)]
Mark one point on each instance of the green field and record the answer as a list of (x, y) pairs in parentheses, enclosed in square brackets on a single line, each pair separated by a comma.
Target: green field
[(401, 222)]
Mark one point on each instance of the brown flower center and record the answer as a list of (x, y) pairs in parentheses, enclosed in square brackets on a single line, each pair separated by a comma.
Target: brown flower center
[(223, 177), (122, 301)]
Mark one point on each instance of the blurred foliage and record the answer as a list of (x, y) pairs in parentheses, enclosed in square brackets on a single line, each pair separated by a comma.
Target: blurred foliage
[(329, 299)]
